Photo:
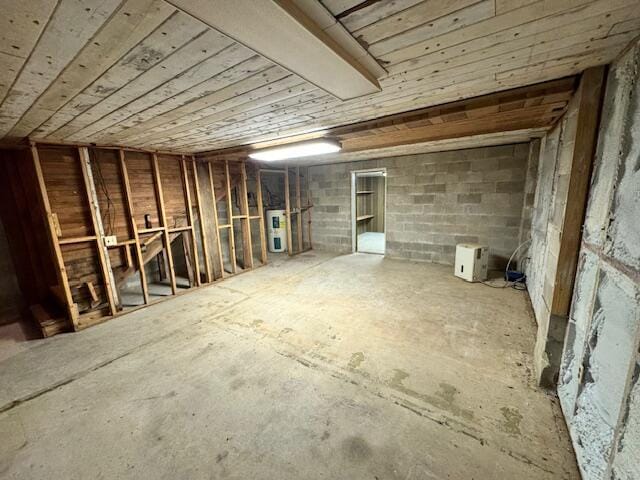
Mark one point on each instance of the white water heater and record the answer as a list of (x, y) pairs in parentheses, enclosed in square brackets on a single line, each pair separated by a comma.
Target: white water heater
[(471, 262), (277, 230)]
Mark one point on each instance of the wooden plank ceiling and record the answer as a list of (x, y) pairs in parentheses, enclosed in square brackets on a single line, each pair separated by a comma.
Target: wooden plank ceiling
[(510, 116), (141, 73)]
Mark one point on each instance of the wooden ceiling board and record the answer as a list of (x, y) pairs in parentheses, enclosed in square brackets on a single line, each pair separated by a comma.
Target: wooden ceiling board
[(70, 27), (219, 95), (21, 25), (143, 73), (163, 44), (373, 12), (131, 24), (266, 94), (526, 109)]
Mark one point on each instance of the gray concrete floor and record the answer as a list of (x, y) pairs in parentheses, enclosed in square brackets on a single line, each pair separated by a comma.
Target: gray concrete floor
[(315, 367)]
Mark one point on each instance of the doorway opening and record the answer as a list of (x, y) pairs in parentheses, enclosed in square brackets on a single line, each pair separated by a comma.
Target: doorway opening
[(368, 193)]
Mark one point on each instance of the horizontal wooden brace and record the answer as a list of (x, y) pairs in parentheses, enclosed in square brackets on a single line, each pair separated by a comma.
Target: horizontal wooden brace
[(151, 230), (180, 229), (72, 240)]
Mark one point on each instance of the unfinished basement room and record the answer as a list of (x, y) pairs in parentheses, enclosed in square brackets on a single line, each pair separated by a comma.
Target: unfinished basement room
[(320, 239)]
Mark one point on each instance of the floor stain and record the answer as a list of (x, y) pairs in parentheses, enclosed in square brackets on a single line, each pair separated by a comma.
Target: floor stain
[(356, 359), (221, 456), (398, 377), (356, 449), (256, 323), (448, 392), (237, 383), (284, 331), (444, 399), (512, 419)]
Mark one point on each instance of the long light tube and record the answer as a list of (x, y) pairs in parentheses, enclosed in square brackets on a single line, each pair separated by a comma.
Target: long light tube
[(296, 150)]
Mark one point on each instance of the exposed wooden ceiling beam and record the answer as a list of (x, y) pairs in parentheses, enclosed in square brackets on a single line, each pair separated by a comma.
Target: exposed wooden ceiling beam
[(283, 32)]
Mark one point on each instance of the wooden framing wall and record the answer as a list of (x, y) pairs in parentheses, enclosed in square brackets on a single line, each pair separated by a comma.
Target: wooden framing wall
[(298, 207), (162, 210)]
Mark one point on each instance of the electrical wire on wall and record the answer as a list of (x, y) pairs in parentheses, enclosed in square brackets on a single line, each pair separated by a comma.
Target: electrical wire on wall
[(108, 216)]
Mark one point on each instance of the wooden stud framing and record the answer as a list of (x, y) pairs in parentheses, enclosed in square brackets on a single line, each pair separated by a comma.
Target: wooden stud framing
[(203, 233), (187, 195), (61, 271), (299, 209), (215, 220), (287, 204), (263, 239), (232, 245), (163, 219), (247, 248), (98, 228), (309, 205), (134, 227)]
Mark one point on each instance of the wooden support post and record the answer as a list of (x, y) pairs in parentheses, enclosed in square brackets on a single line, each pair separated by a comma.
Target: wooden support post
[(263, 239), (247, 248), (308, 208), (203, 233), (134, 226), (163, 219), (287, 204), (590, 98), (98, 228), (187, 196), (232, 244), (215, 220), (58, 260), (299, 208)]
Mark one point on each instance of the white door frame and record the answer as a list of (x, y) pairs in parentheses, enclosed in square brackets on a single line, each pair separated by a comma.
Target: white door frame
[(354, 223)]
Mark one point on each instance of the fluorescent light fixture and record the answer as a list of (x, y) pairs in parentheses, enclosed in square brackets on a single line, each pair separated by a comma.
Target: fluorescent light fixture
[(320, 146)]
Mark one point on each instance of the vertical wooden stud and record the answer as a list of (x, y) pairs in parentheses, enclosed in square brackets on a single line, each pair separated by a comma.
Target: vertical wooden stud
[(98, 228), (263, 239), (246, 222), (61, 271), (163, 219), (215, 220), (299, 209), (134, 226), (203, 233), (187, 195), (232, 244), (308, 206), (287, 204)]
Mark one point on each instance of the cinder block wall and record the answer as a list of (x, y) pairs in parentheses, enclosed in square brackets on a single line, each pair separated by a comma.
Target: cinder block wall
[(599, 384), (434, 201)]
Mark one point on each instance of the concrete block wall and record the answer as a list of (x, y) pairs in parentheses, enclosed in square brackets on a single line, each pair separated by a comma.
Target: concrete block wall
[(599, 385), (434, 201)]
